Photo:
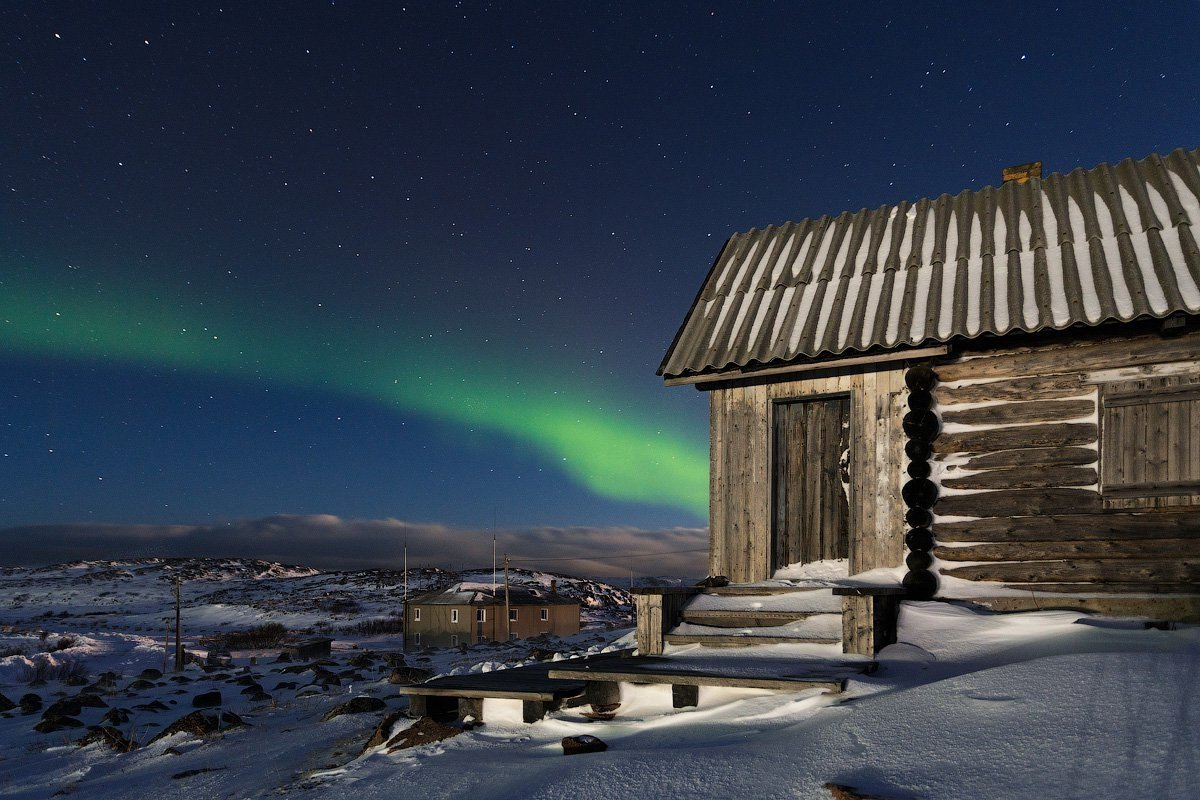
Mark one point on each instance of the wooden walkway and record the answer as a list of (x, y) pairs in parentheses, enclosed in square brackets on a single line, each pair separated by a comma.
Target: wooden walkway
[(603, 676), (596, 679)]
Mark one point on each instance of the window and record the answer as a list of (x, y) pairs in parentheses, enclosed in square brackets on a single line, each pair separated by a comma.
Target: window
[(454, 615), (480, 615), (453, 640), (1150, 443), (417, 614), (545, 614), (481, 638), (512, 615), (512, 637), (416, 638)]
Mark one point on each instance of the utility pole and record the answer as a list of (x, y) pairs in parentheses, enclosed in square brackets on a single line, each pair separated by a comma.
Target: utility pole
[(178, 631), (493, 560), (404, 630), (507, 608), (166, 642)]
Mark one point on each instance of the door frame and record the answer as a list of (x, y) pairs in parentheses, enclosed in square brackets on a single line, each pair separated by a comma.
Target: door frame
[(851, 499)]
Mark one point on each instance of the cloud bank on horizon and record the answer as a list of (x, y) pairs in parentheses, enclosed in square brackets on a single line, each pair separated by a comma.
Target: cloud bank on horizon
[(332, 543)]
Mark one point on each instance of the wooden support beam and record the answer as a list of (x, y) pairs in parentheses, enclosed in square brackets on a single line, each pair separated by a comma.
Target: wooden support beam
[(1017, 502), (1093, 549), (1083, 571), (1009, 413), (989, 440), (1057, 527), (1073, 358), (683, 696), (1024, 478), (1033, 457), (1052, 387)]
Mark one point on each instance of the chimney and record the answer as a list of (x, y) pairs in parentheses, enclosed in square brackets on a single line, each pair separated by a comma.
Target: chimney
[(553, 587), (1021, 173)]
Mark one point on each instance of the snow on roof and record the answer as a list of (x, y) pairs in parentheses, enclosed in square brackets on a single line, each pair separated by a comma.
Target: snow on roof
[(1113, 243)]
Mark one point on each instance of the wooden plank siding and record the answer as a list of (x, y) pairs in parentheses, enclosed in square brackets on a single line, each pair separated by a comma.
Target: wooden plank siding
[(740, 509), (1073, 467)]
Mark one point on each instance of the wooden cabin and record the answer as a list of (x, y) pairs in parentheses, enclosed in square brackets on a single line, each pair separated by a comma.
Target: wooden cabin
[(995, 394), (465, 615)]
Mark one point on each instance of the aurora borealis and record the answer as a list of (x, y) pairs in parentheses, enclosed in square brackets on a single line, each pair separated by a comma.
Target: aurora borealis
[(615, 455), (366, 261)]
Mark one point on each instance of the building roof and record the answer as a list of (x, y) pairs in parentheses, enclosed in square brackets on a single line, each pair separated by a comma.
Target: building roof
[(517, 595), (1112, 243)]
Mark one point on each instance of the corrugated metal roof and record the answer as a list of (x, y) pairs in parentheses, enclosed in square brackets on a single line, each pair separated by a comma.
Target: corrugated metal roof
[(1110, 243)]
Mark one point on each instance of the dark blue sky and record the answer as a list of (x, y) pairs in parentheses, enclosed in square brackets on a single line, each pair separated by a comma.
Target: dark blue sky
[(508, 208)]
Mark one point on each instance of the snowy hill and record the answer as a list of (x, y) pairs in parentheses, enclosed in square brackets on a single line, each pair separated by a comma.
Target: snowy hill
[(967, 705), (137, 594)]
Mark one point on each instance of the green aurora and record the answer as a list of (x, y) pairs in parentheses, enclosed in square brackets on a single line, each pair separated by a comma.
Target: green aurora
[(615, 454)]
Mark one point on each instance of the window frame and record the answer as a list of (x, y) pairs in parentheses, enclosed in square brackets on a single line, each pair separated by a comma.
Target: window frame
[(1145, 399)]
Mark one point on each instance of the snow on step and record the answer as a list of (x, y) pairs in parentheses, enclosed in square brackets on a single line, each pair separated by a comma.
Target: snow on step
[(803, 602), (816, 627)]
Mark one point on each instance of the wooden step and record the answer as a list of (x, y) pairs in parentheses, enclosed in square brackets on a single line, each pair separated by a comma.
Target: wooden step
[(735, 589), (743, 640), (745, 618)]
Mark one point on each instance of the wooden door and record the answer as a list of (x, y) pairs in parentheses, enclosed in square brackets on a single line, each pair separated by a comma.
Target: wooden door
[(810, 481)]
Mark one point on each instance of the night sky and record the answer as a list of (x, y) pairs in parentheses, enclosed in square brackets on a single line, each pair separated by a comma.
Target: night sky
[(377, 263)]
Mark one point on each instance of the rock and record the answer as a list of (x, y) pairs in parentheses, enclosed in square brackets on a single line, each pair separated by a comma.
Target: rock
[(140, 685), (151, 674), (30, 703), (426, 730), (180, 679), (153, 705), (200, 723), (52, 724), (574, 745), (362, 660), (6, 704), (207, 700), (839, 792), (75, 680), (382, 731), (253, 688), (393, 659), (187, 773), (258, 696), (542, 653), (409, 675), (108, 680), (117, 716), (88, 700), (67, 707), (247, 680), (362, 704), (110, 737), (283, 658), (714, 581)]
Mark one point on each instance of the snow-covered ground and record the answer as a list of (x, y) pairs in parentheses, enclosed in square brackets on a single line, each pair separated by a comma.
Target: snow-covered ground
[(968, 705)]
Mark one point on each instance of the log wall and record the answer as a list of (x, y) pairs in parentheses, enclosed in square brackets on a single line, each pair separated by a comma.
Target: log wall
[(1030, 457), (740, 505)]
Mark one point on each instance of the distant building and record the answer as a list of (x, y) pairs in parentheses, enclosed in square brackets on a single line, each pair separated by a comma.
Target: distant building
[(466, 614)]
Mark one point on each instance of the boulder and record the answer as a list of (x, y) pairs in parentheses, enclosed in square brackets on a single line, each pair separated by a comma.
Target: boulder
[(108, 736), (207, 700), (574, 745), (140, 685), (6, 704), (362, 704), (382, 731), (67, 707), (409, 675), (117, 716), (52, 724), (30, 703), (89, 700), (151, 674), (426, 730), (201, 723)]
